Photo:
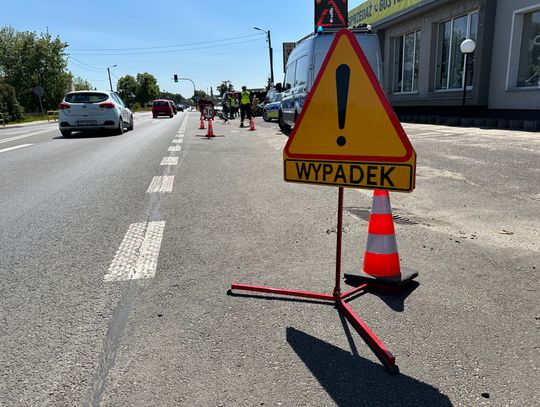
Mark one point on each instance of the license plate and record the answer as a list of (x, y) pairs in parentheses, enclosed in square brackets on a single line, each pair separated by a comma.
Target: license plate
[(86, 122)]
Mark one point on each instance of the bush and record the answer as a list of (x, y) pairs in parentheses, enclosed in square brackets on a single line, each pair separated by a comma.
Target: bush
[(136, 107), (9, 102)]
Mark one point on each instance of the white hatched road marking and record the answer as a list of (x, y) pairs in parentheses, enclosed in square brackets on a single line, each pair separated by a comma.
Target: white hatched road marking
[(15, 148), (177, 141), (7, 140), (138, 253), (169, 161), (175, 148), (161, 184)]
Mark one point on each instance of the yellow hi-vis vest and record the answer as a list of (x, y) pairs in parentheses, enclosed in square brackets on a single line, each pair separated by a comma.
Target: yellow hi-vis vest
[(245, 98)]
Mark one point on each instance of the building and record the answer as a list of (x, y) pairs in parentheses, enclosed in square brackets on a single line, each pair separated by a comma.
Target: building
[(425, 69)]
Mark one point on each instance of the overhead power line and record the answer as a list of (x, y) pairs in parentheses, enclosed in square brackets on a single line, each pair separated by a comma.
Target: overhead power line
[(166, 46), (168, 51)]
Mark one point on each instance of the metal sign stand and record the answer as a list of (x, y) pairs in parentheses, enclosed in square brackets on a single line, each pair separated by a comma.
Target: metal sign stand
[(337, 297)]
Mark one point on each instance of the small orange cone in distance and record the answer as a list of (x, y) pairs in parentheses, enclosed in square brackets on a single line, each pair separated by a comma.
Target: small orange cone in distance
[(381, 259), (210, 132), (202, 124), (251, 124)]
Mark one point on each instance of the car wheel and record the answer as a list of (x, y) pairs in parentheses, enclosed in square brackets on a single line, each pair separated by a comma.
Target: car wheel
[(66, 133), (130, 123), (172, 116), (284, 127), (265, 116), (120, 129)]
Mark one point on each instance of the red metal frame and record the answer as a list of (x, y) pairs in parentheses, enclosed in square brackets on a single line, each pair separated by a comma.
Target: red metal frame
[(337, 297)]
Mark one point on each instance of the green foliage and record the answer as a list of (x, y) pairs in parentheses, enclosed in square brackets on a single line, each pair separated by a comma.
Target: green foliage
[(128, 89), (175, 97), (225, 86), (81, 84), (148, 88), (9, 103), (28, 60), (201, 94)]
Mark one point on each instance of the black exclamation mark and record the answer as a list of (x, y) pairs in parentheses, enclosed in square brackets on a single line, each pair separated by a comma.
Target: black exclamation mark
[(342, 87), (343, 73)]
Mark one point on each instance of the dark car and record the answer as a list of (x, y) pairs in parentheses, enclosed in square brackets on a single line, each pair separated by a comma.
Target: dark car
[(162, 107), (180, 107), (173, 106)]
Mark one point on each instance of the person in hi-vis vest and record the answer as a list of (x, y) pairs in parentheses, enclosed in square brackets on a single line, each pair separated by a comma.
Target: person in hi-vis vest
[(245, 105)]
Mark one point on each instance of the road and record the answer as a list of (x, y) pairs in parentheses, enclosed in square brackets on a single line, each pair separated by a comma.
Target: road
[(113, 282)]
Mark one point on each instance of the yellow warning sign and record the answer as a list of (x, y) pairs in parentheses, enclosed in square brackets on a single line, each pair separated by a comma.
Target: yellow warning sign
[(347, 133)]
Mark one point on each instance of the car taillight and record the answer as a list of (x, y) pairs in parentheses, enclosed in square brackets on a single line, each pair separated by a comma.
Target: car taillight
[(106, 105), (64, 105)]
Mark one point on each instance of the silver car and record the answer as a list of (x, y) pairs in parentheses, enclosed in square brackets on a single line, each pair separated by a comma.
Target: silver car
[(93, 110)]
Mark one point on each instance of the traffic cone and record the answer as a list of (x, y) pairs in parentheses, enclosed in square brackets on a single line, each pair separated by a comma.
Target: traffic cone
[(251, 124), (381, 259), (210, 132), (202, 124)]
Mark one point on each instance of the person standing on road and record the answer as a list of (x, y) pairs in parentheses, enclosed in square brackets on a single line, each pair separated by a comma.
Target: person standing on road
[(231, 104), (245, 105), (236, 105)]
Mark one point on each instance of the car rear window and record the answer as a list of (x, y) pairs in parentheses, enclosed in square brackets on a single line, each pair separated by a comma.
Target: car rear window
[(86, 97), (161, 103)]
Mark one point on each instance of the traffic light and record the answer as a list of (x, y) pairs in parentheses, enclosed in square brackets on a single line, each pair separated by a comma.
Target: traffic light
[(175, 77)]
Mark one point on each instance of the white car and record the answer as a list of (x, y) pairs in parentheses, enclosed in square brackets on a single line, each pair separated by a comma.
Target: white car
[(93, 110)]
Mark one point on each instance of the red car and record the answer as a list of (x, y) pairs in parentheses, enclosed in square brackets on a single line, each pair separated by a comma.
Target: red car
[(162, 107)]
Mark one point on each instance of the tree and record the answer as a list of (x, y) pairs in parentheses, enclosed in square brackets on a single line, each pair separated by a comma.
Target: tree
[(200, 94), (9, 103), (81, 84), (148, 88), (225, 86), (175, 97), (128, 89), (28, 60)]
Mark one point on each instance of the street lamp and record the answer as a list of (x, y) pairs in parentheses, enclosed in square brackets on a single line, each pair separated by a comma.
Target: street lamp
[(109, 71), (194, 92), (467, 47), (270, 53)]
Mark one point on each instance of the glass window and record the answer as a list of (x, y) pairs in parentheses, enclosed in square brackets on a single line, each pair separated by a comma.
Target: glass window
[(289, 75), (451, 61), (86, 97), (300, 78), (406, 57), (529, 53)]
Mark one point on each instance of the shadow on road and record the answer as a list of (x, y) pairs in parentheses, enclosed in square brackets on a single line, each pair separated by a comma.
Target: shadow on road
[(353, 381)]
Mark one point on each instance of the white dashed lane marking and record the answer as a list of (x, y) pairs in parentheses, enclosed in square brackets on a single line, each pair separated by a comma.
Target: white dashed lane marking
[(138, 253), (177, 141), (15, 148), (175, 148), (161, 184), (169, 161)]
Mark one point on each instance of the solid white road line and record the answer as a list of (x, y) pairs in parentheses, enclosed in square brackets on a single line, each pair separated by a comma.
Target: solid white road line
[(169, 161), (7, 140), (175, 148), (15, 148), (138, 253), (161, 184)]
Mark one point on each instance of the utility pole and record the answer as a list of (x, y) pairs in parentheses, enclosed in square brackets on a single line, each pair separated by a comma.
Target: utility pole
[(109, 71), (270, 52)]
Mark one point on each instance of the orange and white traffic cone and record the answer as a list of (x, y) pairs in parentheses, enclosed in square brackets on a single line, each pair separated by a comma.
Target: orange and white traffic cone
[(381, 259), (251, 124), (210, 132), (202, 124)]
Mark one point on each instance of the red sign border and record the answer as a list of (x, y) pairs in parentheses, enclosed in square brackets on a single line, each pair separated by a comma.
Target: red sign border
[(380, 93)]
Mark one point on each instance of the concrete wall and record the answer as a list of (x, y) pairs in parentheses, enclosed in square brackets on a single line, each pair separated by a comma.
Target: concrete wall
[(502, 91)]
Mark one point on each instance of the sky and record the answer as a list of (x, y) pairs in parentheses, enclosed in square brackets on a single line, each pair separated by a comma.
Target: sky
[(207, 41)]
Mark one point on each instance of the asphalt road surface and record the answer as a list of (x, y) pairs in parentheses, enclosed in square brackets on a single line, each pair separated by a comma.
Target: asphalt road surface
[(117, 253)]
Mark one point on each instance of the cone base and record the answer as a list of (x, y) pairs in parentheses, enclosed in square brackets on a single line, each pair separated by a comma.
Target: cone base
[(360, 277)]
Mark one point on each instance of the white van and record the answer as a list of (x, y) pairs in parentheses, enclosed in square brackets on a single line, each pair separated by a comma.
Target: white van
[(304, 64)]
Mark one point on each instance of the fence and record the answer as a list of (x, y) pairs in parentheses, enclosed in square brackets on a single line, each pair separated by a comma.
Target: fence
[(52, 115)]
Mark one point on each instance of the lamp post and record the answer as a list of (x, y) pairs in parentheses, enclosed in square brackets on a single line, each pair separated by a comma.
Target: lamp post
[(270, 52), (467, 47), (109, 71), (187, 79)]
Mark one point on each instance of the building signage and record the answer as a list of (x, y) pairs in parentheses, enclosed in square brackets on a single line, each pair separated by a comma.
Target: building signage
[(287, 49), (347, 134), (372, 11), (330, 13)]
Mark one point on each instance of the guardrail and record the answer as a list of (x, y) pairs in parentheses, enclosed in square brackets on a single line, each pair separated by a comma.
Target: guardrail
[(4, 118), (52, 115)]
